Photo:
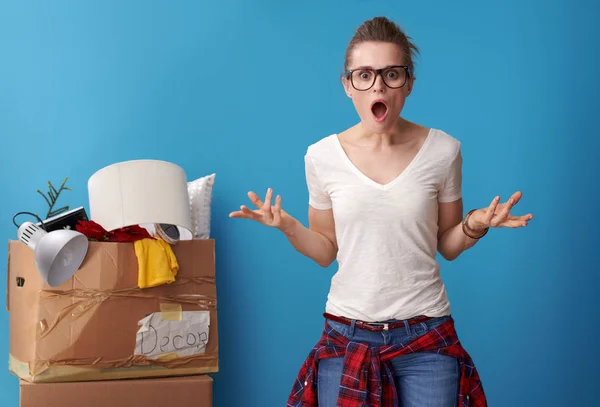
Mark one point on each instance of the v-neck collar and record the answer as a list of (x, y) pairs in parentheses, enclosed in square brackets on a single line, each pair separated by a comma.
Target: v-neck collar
[(369, 180)]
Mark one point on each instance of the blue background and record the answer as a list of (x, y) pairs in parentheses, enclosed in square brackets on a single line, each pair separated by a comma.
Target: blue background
[(241, 88)]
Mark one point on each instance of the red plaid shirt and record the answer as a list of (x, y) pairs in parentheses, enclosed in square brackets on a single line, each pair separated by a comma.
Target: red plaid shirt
[(367, 377)]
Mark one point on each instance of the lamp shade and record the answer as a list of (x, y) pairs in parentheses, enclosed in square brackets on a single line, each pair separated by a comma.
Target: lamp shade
[(140, 192), (58, 254)]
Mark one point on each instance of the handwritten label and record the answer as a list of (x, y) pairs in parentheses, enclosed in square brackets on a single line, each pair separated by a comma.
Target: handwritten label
[(158, 336)]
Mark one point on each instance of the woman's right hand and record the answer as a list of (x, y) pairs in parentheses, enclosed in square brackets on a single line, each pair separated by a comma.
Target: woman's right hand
[(266, 213), (317, 244)]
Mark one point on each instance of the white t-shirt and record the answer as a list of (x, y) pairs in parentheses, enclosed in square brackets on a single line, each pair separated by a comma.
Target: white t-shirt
[(386, 234)]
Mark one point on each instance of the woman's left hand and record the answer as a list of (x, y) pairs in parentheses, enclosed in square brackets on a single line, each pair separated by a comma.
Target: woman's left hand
[(498, 215)]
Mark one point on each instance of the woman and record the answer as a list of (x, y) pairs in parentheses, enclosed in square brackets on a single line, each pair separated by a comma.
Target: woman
[(384, 198)]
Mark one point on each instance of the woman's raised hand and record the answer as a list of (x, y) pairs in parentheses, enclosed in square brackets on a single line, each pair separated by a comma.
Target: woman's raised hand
[(266, 213), (497, 215)]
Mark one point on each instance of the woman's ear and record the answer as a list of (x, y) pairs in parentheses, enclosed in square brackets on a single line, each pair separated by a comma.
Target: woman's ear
[(347, 86), (410, 83)]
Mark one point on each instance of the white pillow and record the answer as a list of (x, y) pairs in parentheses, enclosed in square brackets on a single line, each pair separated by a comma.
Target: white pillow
[(200, 192)]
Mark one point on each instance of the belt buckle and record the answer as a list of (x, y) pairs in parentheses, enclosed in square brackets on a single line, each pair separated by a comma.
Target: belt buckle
[(386, 326)]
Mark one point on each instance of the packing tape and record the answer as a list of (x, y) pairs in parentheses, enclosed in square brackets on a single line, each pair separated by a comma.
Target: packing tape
[(167, 356), (38, 366), (83, 301), (170, 312)]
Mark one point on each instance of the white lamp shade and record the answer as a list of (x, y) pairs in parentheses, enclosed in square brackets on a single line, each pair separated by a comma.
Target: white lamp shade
[(58, 254), (140, 192)]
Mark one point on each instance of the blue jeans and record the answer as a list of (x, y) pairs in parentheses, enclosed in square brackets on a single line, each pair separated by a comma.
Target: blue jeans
[(423, 379)]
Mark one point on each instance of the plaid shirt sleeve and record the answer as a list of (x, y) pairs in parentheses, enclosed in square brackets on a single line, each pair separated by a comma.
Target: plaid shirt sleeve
[(367, 377)]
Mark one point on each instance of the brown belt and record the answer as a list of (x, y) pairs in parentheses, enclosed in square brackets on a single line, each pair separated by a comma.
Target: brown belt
[(376, 326)]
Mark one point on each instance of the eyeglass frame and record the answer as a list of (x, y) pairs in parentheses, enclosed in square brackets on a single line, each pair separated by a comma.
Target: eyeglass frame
[(348, 75)]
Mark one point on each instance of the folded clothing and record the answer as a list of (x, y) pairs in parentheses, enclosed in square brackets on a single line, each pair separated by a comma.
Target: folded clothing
[(157, 263)]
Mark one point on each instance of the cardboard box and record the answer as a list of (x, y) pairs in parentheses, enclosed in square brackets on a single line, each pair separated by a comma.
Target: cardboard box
[(87, 329), (190, 391)]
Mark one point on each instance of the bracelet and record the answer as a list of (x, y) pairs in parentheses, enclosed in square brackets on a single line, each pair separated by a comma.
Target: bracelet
[(466, 229)]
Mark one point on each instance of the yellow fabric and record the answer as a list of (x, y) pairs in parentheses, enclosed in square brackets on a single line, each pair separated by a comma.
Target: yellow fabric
[(157, 263)]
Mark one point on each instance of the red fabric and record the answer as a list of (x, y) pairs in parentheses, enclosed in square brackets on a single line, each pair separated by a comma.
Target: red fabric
[(93, 231), (367, 377)]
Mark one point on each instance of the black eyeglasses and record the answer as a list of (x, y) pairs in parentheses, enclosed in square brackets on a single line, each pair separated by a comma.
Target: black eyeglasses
[(394, 76)]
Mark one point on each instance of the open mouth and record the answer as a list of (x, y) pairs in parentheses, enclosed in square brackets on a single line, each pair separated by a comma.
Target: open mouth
[(380, 110)]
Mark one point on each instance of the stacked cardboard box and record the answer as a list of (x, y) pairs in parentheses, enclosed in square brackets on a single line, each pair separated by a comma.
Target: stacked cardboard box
[(100, 340)]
